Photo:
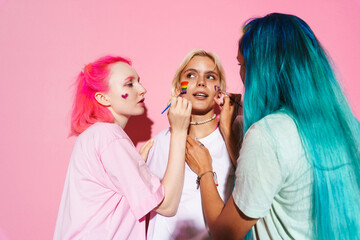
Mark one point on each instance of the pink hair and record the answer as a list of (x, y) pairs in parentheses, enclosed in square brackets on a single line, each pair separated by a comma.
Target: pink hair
[(86, 109)]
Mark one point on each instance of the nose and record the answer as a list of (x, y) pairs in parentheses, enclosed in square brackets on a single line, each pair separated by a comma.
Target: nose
[(142, 90), (201, 82)]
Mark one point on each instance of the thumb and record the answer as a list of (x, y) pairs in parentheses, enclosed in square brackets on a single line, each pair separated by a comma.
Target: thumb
[(227, 102)]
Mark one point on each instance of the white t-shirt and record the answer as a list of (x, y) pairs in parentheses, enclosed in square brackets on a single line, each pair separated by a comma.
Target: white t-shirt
[(274, 180), (188, 223)]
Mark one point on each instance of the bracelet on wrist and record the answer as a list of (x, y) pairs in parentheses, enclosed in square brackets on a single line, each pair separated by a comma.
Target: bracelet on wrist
[(201, 175)]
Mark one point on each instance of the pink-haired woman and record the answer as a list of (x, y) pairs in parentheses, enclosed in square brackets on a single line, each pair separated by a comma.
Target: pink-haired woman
[(108, 188)]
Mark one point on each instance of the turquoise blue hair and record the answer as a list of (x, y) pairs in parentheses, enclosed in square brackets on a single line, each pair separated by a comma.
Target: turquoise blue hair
[(288, 70)]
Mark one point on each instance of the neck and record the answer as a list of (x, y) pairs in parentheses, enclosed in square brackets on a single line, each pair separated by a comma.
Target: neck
[(122, 123), (205, 129), (120, 120)]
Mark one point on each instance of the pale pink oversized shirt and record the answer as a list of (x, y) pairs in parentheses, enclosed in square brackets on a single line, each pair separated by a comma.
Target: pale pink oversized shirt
[(108, 188)]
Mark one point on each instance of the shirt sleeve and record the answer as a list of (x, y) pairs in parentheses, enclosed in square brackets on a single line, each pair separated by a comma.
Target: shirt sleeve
[(131, 177), (259, 174)]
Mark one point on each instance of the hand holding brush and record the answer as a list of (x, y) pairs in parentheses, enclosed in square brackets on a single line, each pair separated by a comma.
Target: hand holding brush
[(183, 91)]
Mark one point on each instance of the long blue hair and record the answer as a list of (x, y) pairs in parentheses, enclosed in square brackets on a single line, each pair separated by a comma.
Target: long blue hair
[(288, 70)]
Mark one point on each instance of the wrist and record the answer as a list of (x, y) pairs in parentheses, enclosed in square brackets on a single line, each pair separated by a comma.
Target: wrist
[(208, 172), (225, 130), (179, 131)]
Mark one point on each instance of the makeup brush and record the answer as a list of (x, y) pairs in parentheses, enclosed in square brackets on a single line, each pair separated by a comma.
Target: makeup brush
[(184, 86)]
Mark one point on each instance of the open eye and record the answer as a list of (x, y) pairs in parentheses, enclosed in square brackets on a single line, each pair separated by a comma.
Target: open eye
[(190, 75), (211, 77)]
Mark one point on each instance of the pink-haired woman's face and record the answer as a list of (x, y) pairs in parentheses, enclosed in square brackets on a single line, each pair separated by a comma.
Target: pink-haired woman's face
[(126, 94)]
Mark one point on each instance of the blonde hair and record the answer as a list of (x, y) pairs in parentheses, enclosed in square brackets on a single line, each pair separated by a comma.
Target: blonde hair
[(202, 53)]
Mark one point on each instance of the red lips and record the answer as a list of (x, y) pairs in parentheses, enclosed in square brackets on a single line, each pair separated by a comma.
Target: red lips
[(142, 102)]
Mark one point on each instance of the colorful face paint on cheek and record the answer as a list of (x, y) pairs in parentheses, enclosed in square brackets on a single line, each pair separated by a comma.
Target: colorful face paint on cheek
[(125, 95), (184, 86), (217, 88)]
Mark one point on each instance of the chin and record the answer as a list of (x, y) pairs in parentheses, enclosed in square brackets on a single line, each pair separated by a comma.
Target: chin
[(139, 112), (200, 111)]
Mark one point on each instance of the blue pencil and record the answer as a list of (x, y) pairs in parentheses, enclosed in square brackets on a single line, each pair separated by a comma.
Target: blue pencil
[(166, 108), (183, 91)]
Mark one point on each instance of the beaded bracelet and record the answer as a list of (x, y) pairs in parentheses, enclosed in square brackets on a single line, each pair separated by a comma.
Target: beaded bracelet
[(201, 175)]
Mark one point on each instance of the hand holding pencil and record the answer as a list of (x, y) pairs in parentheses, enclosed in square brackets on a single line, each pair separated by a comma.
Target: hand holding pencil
[(183, 91)]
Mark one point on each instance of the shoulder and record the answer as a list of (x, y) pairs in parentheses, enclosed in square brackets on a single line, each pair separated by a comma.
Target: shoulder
[(276, 120), (162, 135), (275, 137), (102, 134), (104, 129), (276, 126), (161, 141)]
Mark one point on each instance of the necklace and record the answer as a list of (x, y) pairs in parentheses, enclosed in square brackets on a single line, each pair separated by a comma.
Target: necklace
[(205, 121)]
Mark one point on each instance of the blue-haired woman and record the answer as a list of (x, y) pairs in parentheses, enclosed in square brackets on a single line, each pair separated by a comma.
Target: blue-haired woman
[(298, 174)]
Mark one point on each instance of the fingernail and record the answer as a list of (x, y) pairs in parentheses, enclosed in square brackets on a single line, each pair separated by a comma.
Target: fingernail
[(196, 139)]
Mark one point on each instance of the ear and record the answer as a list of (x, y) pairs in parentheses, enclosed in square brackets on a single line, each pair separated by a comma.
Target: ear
[(102, 99)]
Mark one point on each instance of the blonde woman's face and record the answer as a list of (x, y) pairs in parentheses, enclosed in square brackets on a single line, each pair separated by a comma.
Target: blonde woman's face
[(202, 76)]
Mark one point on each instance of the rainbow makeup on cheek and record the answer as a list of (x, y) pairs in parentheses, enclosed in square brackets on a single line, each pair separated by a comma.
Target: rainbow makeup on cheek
[(124, 96), (184, 86)]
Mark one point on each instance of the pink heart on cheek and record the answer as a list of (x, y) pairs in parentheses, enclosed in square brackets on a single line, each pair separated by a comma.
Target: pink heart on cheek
[(125, 95)]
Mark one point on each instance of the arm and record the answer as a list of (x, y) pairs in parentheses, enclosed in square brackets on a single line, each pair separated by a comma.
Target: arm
[(230, 125), (173, 181), (225, 221)]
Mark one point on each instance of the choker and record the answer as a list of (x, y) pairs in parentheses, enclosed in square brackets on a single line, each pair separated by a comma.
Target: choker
[(205, 121)]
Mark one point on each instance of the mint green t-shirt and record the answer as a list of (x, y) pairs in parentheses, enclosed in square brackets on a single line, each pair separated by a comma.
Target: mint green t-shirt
[(274, 180)]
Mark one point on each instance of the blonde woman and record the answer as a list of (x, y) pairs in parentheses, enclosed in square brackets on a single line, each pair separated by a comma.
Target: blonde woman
[(205, 75)]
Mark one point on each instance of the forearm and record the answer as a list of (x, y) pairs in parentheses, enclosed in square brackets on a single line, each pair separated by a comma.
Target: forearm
[(233, 146), (211, 201), (233, 136), (173, 180)]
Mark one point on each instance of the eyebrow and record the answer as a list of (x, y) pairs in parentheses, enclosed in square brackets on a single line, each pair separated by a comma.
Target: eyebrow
[(129, 78), (194, 70), (191, 70), (212, 72)]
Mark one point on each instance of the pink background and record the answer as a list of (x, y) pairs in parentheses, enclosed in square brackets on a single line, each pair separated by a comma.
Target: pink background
[(44, 44)]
